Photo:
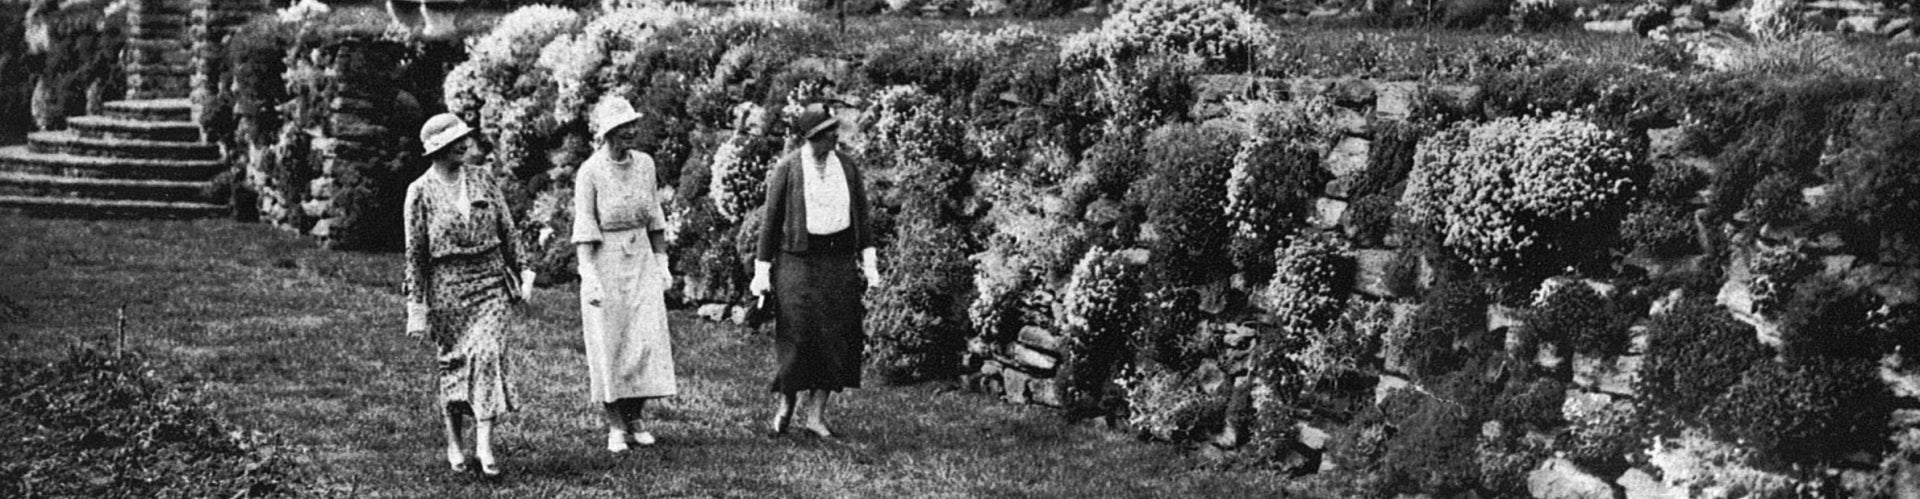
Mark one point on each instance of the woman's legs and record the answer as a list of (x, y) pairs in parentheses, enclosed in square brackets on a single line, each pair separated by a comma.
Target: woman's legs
[(616, 426), (456, 456), (816, 407), (483, 446), (783, 415), (629, 412)]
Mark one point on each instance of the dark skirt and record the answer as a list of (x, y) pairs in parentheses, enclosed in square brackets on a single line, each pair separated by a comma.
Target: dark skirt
[(818, 337)]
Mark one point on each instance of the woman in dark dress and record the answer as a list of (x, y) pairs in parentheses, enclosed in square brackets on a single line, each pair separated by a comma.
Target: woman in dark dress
[(816, 256)]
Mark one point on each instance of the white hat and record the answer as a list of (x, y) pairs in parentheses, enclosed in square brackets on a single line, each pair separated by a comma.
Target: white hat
[(440, 131), (611, 112)]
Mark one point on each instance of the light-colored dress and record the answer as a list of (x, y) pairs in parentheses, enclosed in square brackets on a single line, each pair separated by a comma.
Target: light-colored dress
[(629, 353), (461, 261)]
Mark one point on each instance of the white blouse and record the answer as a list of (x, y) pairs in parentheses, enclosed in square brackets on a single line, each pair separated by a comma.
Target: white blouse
[(829, 205)]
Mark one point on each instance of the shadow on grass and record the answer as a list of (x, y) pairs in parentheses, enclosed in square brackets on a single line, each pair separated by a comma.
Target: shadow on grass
[(305, 345)]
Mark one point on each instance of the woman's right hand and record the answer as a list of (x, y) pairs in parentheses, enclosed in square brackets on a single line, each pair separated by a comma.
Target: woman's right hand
[(591, 292), (762, 278)]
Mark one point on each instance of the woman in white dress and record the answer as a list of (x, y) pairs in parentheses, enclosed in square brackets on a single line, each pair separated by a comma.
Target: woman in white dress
[(619, 234)]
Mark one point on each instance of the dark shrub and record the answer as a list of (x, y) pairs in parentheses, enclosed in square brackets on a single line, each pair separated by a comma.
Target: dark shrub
[(1185, 194), (1576, 316), (1828, 319), (1810, 411), (1660, 229), (1695, 351), (916, 319), (1877, 176), (1171, 328), (1455, 311)]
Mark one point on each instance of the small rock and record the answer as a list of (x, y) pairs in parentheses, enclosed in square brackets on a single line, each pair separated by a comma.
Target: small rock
[(1561, 479), (1348, 157), (1351, 122), (1612, 376), (1373, 273), (1816, 195), (992, 367), (737, 315), (1827, 241), (1860, 24), (1664, 142), (1504, 317), (1387, 384), (1458, 97), (1032, 359), (1313, 438), (1042, 339), (1896, 26), (1237, 336), (1327, 213), (1015, 384), (712, 311), (1212, 379), (1640, 485), (322, 229), (1620, 26), (316, 208), (1395, 100), (1044, 391), (1838, 265), (1303, 88), (1104, 212)]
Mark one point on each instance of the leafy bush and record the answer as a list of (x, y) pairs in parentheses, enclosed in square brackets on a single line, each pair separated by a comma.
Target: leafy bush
[(84, 42), (1275, 177), (502, 87), (1171, 328), (1429, 452), (1603, 435), (1170, 406), (1807, 411), (1827, 318), (1220, 33), (96, 424), (1876, 180), (1028, 251), (1185, 196), (1376, 193), (739, 168), (1660, 229), (1453, 310), (1098, 313), (1773, 272), (1571, 313), (1522, 195), (1695, 351), (916, 320)]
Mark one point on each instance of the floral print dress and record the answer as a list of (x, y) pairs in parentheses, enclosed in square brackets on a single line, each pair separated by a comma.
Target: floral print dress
[(462, 262)]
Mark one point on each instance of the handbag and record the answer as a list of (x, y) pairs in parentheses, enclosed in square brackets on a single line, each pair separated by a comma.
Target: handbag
[(764, 308)]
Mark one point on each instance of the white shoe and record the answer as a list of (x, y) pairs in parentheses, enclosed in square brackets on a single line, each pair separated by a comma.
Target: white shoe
[(616, 441), (641, 438)]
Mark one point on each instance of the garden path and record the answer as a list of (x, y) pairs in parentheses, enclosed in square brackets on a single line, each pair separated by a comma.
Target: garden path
[(304, 345)]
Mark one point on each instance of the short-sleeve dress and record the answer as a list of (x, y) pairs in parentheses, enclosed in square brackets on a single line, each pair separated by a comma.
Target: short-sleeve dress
[(462, 261), (629, 352)]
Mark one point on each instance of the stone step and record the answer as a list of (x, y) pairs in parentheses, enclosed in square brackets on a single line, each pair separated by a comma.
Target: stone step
[(42, 185), (182, 68), (21, 159), (108, 208), (176, 109), (162, 18), (68, 142), (151, 57), (158, 92), (158, 45), (122, 128)]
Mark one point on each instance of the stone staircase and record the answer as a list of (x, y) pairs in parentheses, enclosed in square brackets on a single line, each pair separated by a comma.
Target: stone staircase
[(142, 157)]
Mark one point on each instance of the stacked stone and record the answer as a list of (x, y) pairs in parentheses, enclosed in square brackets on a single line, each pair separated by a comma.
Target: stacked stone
[(212, 22), (360, 149), (1669, 18), (158, 64), (1022, 371)]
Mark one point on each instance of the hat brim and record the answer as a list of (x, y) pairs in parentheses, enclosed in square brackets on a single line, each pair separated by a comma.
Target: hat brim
[(830, 123), (622, 120), (446, 138)]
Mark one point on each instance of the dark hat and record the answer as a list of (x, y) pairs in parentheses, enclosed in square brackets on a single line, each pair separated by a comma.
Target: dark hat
[(815, 118)]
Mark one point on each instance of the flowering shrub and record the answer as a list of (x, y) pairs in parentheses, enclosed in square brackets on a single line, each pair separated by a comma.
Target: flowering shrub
[(1697, 464), (1520, 193), (1028, 250), (740, 166), (1220, 33), (1424, 346), (1602, 434), (1170, 406), (1538, 14), (1797, 411), (1276, 176), (501, 87), (1170, 333), (1660, 229), (1186, 194), (1306, 297), (1097, 311)]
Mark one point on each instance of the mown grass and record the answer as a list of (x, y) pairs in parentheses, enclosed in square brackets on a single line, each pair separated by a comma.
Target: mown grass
[(304, 344)]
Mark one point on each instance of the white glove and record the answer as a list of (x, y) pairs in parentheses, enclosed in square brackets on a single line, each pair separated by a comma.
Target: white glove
[(666, 270), (526, 285), (762, 278), (590, 290), (417, 320), (870, 265)]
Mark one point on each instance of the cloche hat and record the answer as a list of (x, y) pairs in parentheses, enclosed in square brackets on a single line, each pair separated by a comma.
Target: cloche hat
[(440, 131), (611, 112), (815, 118)]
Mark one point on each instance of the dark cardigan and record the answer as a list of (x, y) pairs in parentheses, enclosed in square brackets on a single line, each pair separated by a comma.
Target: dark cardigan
[(784, 224)]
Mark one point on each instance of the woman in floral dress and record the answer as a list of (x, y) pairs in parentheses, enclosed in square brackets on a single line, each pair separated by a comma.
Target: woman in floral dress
[(619, 234), (463, 270)]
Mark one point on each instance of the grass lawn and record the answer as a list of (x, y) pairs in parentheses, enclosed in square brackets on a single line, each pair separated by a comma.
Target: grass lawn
[(305, 344)]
